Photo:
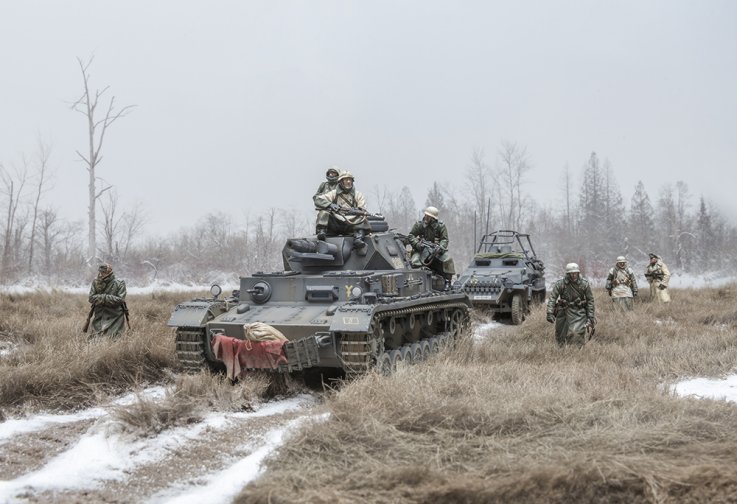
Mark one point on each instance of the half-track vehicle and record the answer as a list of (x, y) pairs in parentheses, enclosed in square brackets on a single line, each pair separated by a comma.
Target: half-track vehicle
[(505, 276), (340, 307)]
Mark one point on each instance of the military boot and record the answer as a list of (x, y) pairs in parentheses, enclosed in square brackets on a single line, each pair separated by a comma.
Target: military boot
[(358, 242), (321, 233)]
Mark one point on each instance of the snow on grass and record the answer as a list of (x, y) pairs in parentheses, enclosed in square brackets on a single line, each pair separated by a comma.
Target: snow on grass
[(18, 426), (223, 486), (482, 330), (104, 453), (707, 388)]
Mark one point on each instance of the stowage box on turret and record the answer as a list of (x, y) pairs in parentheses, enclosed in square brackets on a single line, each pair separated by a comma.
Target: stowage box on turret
[(505, 275), (342, 307)]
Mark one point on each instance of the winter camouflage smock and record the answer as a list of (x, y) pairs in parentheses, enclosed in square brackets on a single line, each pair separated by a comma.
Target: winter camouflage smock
[(621, 282), (107, 294), (572, 305), (435, 232)]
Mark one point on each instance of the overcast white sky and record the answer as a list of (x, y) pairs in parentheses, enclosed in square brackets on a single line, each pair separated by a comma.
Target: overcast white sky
[(242, 105)]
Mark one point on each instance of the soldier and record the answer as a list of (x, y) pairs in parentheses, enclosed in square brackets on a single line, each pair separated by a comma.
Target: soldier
[(107, 297), (429, 240), (571, 308), (331, 182), (657, 275), (345, 211), (621, 284)]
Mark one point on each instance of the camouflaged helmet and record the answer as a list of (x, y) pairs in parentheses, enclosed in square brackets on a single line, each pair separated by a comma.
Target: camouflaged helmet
[(572, 268), (433, 212), (332, 178), (621, 259), (346, 174)]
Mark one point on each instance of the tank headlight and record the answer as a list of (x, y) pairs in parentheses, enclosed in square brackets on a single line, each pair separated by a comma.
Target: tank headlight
[(215, 290), (356, 292)]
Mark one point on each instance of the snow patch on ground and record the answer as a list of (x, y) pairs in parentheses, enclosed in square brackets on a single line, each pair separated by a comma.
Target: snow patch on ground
[(223, 486), (482, 330), (154, 287), (106, 454), (18, 426), (708, 388)]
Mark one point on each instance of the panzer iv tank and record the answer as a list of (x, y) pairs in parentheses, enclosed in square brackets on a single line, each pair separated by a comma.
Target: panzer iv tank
[(350, 309), (505, 276)]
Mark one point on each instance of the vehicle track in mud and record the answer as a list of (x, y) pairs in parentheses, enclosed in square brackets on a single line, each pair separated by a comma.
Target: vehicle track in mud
[(88, 457)]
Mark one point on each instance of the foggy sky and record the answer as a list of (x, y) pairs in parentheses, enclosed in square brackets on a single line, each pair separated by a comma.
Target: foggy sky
[(242, 105)]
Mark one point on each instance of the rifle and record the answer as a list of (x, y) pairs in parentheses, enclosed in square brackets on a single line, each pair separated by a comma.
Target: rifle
[(86, 325), (434, 249), (655, 276), (127, 317), (356, 211)]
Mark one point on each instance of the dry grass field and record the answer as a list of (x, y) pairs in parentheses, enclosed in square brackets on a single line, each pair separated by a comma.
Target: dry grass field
[(509, 417), (514, 418)]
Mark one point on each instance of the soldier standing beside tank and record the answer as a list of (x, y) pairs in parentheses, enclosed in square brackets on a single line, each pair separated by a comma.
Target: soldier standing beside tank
[(107, 297), (621, 284), (429, 240), (346, 211), (571, 308), (331, 182), (657, 275)]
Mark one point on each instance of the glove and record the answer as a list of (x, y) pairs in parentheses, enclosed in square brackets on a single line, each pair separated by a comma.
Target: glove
[(610, 292), (334, 207), (634, 294), (662, 287), (550, 318)]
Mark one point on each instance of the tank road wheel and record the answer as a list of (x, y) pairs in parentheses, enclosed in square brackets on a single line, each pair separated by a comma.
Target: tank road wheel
[(384, 364), (434, 345), (518, 309), (396, 358), (426, 351), (417, 354), (455, 323), (407, 356)]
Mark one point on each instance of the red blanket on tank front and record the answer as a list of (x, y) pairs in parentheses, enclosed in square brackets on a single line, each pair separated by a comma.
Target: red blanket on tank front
[(239, 355)]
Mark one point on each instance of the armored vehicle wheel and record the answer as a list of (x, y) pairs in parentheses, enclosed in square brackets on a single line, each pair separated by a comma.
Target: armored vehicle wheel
[(407, 356), (396, 358), (384, 364), (518, 309), (417, 353), (434, 345), (456, 323), (425, 344)]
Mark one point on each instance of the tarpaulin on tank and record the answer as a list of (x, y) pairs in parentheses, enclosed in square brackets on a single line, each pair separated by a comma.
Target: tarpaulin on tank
[(240, 355)]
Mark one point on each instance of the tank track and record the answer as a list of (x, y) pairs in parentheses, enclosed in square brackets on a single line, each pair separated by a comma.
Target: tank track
[(190, 349), (361, 352)]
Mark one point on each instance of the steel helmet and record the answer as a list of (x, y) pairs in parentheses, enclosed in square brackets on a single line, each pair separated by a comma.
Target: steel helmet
[(431, 211), (346, 174), (572, 268), (332, 178), (621, 259)]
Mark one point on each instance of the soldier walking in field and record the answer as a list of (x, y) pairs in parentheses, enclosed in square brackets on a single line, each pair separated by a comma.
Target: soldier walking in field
[(330, 183), (571, 308), (657, 275), (108, 307), (429, 240), (621, 284), (345, 211)]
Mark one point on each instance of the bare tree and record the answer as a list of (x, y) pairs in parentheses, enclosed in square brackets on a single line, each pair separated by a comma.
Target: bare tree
[(514, 165), (12, 185), (49, 231), (97, 126), (43, 154)]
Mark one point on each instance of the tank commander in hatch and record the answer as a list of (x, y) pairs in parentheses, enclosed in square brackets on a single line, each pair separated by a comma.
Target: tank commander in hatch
[(571, 308), (657, 274), (429, 240), (345, 211), (621, 284), (107, 297), (330, 183)]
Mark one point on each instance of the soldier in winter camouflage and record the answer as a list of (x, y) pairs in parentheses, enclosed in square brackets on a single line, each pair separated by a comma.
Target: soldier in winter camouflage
[(621, 284), (345, 211), (429, 240), (657, 275), (107, 297), (571, 308), (330, 183)]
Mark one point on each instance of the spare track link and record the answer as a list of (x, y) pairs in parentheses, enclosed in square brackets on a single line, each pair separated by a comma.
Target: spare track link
[(356, 348), (190, 348)]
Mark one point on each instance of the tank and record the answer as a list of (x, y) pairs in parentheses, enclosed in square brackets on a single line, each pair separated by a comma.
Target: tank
[(505, 276), (339, 307)]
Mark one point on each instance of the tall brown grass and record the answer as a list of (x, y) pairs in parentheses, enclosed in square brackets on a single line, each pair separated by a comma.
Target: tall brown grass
[(55, 366), (515, 418)]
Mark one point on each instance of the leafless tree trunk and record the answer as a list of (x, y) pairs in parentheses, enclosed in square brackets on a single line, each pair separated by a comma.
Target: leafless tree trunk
[(13, 184), (514, 166), (43, 159), (49, 232), (96, 129)]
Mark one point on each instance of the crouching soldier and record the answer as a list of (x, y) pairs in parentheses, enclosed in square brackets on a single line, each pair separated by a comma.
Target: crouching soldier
[(429, 240), (571, 308), (107, 297), (621, 284), (345, 211)]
